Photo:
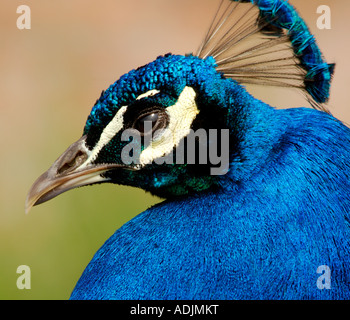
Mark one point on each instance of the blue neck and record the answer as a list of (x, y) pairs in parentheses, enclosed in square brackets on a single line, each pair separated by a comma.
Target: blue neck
[(255, 129)]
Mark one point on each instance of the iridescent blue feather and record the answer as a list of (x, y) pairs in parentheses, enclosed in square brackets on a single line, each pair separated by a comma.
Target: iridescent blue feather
[(262, 230), (307, 69), (282, 15)]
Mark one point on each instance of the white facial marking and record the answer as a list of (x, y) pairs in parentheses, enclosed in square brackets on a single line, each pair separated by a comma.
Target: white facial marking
[(181, 116), (149, 93), (113, 127)]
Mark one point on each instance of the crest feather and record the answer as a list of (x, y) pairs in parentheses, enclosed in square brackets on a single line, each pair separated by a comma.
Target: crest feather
[(265, 42)]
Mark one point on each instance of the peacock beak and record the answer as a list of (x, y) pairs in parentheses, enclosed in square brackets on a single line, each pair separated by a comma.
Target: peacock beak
[(70, 170)]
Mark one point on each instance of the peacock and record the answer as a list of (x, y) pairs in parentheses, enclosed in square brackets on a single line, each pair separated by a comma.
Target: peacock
[(256, 198)]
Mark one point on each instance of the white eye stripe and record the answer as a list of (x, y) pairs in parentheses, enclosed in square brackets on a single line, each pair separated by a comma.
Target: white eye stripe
[(113, 127), (149, 93), (181, 116)]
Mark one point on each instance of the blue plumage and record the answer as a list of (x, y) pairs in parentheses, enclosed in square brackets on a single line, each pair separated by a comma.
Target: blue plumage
[(260, 231), (280, 213)]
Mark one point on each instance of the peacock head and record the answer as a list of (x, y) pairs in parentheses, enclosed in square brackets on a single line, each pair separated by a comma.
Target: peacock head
[(183, 124), (162, 127)]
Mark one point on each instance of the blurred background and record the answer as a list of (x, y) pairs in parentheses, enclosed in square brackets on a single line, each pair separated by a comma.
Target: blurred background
[(50, 77)]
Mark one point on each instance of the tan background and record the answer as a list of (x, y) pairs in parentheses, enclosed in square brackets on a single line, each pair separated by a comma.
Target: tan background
[(50, 77)]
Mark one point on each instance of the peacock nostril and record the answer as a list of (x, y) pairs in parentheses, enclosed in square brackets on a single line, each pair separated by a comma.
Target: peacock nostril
[(72, 163)]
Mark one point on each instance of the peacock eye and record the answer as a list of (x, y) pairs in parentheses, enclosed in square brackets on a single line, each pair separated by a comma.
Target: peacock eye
[(147, 123)]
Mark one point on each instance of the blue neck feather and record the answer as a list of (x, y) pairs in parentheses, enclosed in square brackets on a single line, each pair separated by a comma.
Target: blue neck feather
[(280, 213), (261, 236)]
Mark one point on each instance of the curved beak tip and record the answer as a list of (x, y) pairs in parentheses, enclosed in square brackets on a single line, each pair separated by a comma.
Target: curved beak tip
[(28, 205), (70, 170), (37, 190), (45, 187)]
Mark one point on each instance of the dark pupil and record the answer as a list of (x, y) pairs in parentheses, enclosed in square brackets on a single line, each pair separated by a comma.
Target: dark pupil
[(150, 118)]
